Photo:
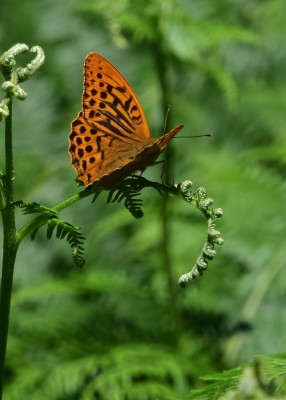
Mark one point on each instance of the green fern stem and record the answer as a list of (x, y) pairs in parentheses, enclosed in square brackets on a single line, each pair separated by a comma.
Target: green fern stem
[(43, 218), (9, 243), (166, 237)]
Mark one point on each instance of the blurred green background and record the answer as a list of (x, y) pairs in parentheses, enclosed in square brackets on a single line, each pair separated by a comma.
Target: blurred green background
[(120, 327)]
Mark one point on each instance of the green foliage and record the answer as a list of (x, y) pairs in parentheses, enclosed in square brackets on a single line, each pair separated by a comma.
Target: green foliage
[(265, 379), (129, 193), (122, 369), (64, 230), (73, 330), (182, 34), (68, 231), (31, 207), (124, 372)]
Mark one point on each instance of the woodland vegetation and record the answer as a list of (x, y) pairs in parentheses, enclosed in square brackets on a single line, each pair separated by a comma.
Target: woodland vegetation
[(120, 327)]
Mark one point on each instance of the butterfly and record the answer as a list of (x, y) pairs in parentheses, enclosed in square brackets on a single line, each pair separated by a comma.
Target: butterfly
[(110, 138)]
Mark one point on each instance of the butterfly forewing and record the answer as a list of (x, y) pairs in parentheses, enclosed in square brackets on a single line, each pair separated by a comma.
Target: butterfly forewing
[(109, 103), (110, 138)]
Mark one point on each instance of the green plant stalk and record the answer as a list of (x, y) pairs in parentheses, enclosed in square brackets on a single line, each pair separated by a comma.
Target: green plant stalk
[(42, 219), (12, 239), (9, 245), (161, 64)]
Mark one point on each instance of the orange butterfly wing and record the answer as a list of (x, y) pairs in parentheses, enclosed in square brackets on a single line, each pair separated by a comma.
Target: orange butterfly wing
[(110, 137)]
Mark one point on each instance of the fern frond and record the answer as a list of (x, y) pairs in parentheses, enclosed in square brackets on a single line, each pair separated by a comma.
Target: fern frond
[(200, 200), (130, 188), (30, 207), (128, 192), (73, 237), (125, 372), (63, 228), (263, 379)]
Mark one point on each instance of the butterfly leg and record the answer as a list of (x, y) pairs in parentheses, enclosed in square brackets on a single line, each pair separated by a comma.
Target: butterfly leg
[(163, 169)]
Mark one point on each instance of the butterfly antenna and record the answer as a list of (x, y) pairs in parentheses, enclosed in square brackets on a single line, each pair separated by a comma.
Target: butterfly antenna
[(166, 117), (193, 136)]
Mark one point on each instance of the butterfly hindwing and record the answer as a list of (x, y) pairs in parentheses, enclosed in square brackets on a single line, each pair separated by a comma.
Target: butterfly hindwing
[(91, 151)]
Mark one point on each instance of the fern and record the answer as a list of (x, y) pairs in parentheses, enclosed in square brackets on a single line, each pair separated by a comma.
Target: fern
[(30, 207), (70, 232), (128, 190), (264, 379), (63, 229), (137, 372), (205, 56)]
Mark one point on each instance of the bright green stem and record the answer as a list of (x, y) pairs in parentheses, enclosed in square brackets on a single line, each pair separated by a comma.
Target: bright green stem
[(42, 219), (9, 245), (161, 64), (12, 239)]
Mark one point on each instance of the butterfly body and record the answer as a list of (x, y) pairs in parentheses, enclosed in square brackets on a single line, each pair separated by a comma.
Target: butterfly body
[(110, 137)]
